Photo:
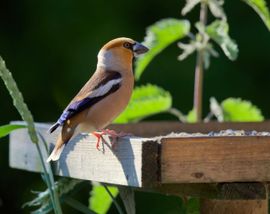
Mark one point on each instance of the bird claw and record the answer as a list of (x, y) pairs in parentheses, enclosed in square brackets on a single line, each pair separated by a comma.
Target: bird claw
[(113, 134), (98, 136)]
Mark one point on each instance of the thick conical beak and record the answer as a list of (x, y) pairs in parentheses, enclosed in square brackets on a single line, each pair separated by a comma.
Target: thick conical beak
[(138, 49)]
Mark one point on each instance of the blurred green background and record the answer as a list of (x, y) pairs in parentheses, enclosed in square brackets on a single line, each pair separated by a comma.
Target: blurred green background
[(51, 47)]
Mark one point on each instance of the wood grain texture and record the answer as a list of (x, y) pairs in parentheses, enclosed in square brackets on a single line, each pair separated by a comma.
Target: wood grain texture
[(80, 158), (234, 207), (215, 159), (138, 162), (230, 191), (157, 128), (128, 197)]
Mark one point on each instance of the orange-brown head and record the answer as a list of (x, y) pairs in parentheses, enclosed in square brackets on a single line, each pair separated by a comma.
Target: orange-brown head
[(118, 54)]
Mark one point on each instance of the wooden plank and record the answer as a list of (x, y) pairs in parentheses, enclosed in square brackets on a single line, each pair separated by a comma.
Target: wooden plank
[(139, 168), (157, 128), (234, 207), (224, 191), (123, 165), (215, 159)]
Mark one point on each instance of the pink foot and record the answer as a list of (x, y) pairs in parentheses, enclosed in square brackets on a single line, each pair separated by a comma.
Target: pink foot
[(98, 135), (114, 135)]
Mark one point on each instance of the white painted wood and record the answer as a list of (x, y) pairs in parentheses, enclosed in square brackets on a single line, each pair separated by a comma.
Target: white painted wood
[(80, 159)]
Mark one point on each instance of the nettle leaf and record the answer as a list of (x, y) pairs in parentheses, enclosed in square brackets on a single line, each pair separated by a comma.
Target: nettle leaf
[(6, 129), (209, 52), (219, 32), (201, 42), (216, 8), (188, 49), (236, 109), (158, 37), (63, 186), (262, 10), (145, 101), (216, 109), (190, 4), (100, 201), (191, 116)]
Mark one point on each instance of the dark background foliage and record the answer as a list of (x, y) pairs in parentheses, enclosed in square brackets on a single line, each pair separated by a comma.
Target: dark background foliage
[(51, 47)]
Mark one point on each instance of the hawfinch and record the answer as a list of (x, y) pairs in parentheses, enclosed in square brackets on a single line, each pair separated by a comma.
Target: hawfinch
[(103, 97)]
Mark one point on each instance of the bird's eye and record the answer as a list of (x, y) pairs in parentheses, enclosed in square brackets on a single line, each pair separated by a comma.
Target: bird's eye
[(127, 45)]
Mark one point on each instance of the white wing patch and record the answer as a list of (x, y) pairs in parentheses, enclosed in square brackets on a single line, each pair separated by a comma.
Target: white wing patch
[(104, 89)]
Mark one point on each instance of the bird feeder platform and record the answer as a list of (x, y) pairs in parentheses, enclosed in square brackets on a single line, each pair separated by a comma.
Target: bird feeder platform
[(206, 166)]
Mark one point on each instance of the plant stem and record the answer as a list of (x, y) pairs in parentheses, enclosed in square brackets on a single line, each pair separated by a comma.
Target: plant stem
[(198, 87), (118, 207), (49, 177), (18, 100), (198, 84), (78, 206), (26, 115), (178, 114), (48, 182)]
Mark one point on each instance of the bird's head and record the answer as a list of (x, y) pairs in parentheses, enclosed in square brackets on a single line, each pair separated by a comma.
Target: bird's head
[(118, 54)]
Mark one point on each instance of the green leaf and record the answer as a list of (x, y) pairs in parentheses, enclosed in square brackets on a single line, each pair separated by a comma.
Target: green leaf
[(199, 44), (238, 110), (216, 109), (26, 115), (191, 116), (6, 129), (190, 4), (219, 32), (216, 8), (193, 206), (43, 209), (158, 37), (78, 206), (145, 101), (100, 201), (261, 9), (18, 100), (63, 187), (188, 49)]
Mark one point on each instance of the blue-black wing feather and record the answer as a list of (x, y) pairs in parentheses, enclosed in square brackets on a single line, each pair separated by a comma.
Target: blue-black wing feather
[(76, 107), (83, 104)]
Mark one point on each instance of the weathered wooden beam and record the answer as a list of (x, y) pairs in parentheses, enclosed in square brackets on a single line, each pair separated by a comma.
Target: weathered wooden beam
[(125, 164), (234, 207), (215, 159), (139, 162), (222, 191), (157, 128)]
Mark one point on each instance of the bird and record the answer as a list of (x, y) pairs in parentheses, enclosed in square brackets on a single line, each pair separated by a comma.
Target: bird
[(103, 97)]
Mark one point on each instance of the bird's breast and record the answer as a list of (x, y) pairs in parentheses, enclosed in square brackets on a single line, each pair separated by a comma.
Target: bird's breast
[(106, 110)]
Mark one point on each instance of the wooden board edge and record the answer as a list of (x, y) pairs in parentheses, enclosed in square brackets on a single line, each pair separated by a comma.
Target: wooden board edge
[(220, 191), (241, 140), (150, 163)]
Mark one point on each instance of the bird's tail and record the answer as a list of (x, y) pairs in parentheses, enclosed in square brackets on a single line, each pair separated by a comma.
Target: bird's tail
[(62, 140), (53, 127), (55, 155), (58, 149)]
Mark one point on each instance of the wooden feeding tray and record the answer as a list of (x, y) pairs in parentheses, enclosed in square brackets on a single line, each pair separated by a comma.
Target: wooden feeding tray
[(220, 167)]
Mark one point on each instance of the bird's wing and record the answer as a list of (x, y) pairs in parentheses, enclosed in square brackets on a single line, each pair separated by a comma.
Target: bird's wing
[(101, 84)]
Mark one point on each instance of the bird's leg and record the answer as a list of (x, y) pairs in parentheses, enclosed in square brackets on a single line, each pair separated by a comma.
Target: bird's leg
[(113, 134), (98, 135)]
